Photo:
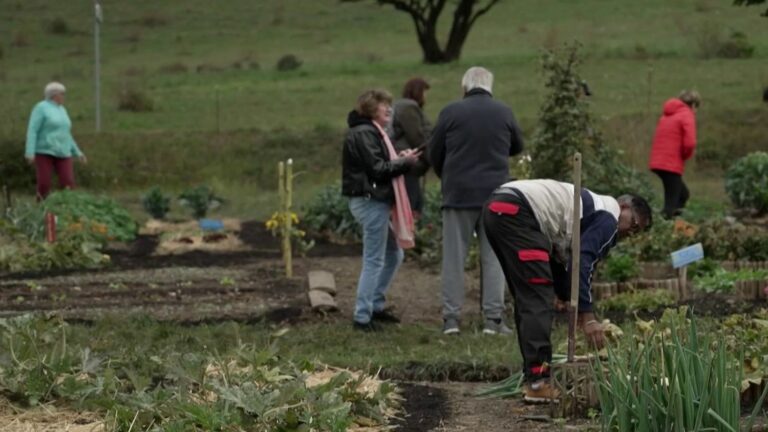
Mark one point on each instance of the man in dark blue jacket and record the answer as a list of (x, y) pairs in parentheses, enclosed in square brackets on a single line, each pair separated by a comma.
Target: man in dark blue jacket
[(469, 150), (529, 224)]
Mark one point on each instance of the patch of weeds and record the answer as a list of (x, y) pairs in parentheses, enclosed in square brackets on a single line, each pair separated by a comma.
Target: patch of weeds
[(58, 26), (135, 100), (288, 62)]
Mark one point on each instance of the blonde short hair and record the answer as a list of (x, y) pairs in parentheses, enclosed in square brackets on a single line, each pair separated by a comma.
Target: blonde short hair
[(477, 77), (54, 88), (690, 98), (369, 101)]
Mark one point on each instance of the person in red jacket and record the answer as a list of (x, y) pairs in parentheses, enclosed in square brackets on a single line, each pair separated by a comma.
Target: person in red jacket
[(673, 144)]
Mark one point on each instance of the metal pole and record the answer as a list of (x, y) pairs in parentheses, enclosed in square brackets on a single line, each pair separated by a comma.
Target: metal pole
[(575, 257), (97, 61)]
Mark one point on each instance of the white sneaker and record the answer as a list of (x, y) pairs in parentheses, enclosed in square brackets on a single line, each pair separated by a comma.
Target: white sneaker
[(451, 326), (496, 327)]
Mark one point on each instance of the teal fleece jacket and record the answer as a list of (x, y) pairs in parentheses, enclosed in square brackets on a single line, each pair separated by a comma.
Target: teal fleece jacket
[(49, 132)]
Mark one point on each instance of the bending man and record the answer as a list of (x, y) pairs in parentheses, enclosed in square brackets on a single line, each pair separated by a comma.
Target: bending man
[(529, 225)]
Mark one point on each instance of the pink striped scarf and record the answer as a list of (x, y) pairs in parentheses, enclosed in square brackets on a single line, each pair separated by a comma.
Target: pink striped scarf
[(402, 218)]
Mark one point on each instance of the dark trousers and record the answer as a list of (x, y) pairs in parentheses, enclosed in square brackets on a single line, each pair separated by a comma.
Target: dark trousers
[(415, 192), (675, 192), (523, 251), (45, 166)]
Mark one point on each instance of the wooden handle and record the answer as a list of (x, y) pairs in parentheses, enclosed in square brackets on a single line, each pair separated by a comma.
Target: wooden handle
[(575, 256)]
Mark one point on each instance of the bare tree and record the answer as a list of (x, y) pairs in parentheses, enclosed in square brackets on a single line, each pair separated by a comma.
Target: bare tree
[(425, 15), (751, 3)]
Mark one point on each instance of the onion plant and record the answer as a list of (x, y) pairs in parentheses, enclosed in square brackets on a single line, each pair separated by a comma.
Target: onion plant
[(674, 380)]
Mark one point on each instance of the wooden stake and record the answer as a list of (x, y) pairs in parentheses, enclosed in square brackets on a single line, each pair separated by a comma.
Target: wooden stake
[(682, 274), (287, 253), (281, 211), (575, 256)]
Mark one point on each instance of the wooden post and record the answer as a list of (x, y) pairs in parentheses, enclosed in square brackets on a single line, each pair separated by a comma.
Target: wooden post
[(682, 282), (50, 227), (287, 255), (281, 211), (575, 257)]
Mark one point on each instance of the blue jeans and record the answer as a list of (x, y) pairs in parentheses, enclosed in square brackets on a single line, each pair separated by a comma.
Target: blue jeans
[(381, 256)]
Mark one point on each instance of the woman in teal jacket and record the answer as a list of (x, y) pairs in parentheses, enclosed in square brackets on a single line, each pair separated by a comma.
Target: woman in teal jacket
[(50, 146)]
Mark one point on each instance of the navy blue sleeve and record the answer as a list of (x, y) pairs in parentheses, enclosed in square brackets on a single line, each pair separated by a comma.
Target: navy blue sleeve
[(598, 236), (436, 150)]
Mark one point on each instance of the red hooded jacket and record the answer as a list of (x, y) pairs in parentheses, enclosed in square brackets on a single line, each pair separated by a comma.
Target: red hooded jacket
[(675, 138)]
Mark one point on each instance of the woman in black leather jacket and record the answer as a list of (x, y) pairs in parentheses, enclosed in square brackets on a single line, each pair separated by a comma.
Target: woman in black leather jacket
[(368, 171)]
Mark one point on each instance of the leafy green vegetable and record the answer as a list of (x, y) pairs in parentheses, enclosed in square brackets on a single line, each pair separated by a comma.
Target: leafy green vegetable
[(649, 300), (746, 182), (156, 203), (619, 268), (200, 200), (723, 281)]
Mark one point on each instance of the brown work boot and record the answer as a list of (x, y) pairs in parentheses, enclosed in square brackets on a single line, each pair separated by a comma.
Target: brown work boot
[(541, 391)]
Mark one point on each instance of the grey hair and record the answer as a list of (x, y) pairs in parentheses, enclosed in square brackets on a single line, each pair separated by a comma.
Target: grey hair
[(690, 98), (53, 88), (477, 77)]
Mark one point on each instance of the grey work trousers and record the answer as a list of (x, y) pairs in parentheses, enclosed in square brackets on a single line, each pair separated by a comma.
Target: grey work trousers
[(458, 227)]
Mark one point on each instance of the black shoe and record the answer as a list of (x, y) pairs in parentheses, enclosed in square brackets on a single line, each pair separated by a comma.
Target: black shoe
[(368, 327), (385, 316)]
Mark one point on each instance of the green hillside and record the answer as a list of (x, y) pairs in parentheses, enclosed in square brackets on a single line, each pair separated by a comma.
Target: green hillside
[(223, 113)]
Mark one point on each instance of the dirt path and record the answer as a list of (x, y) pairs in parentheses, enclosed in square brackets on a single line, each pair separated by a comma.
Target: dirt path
[(453, 407)]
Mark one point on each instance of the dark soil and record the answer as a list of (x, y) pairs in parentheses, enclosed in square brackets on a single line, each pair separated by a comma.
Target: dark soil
[(425, 408)]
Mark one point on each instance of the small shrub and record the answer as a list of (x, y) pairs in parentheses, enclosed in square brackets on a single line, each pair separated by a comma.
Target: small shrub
[(746, 182), (174, 68), (199, 201), (58, 26), (288, 63), (736, 46), (153, 20), (328, 216), (619, 268), (15, 173), (135, 100), (156, 203)]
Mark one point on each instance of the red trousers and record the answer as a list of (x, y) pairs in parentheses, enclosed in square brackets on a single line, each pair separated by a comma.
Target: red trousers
[(45, 165)]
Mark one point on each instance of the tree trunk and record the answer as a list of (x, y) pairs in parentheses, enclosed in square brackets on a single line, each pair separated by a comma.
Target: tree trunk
[(433, 54), (462, 23)]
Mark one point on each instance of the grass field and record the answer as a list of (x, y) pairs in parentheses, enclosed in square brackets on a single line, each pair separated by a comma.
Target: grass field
[(224, 115)]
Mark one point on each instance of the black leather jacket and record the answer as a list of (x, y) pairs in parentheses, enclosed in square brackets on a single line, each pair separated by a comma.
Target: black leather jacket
[(366, 169)]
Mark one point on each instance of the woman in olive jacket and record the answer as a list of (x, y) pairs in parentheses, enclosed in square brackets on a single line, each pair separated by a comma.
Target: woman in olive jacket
[(410, 129), (369, 179)]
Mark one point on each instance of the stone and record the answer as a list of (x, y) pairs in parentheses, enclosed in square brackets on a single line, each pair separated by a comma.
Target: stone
[(321, 301), (322, 280)]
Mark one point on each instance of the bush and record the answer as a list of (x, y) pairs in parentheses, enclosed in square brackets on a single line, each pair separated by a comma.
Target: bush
[(737, 46), (135, 100), (199, 200), (619, 268), (77, 207), (328, 216), (15, 172), (156, 203), (565, 126), (288, 63), (746, 182), (58, 26)]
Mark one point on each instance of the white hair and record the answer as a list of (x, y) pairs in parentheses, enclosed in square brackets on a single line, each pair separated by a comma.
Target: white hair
[(54, 88), (477, 77)]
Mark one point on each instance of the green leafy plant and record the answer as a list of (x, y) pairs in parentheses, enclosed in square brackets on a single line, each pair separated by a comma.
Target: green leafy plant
[(200, 200), (328, 216), (102, 216), (671, 379), (566, 126), (619, 268), (723, 281), (158, 388), (156, 203), (746, 182)]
